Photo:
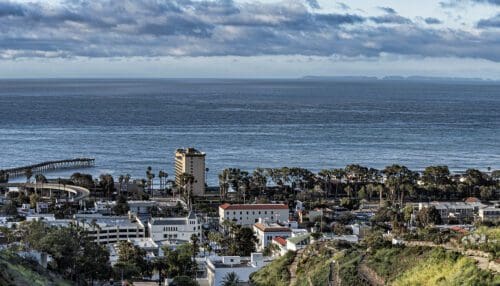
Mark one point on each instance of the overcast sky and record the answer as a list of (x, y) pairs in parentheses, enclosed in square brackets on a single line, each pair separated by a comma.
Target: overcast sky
[(249, 38)]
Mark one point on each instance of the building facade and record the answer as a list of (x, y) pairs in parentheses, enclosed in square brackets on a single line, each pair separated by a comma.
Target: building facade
[(249, 214), (191, 161), (174, 228), (266, 232)]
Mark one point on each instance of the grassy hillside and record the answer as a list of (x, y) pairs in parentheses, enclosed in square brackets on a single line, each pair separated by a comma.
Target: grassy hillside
[(275, 273), (17, 271), (425, 266)]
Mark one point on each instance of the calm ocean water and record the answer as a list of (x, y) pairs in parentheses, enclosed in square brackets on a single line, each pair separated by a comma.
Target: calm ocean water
[(130, 124)]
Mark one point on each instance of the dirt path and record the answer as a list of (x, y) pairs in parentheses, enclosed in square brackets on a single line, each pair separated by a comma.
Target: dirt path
[(293, 268)]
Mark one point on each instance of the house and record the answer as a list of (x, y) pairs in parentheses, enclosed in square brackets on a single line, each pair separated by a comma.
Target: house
[(280, 243), (249, 214), (174, 228), (218, 267), (265, 233), (490, 214)]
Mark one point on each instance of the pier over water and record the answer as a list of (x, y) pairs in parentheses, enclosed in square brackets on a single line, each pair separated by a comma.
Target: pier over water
[(48, 166)]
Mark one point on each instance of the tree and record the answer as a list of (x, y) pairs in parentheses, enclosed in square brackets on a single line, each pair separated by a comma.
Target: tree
[(184, 281), (428, 216), (107, 184), (131, 259), (121, 207), (83, 180), (195, 249), (28, 173), (398, 178), (242, 241), (10, 209), (230, 279), (34, 199)]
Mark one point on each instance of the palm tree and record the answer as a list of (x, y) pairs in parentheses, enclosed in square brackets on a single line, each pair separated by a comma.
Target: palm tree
[(231, 279), (28, 173), (121, 178), (186, 180), (39, 178), (397, 179), (338, 174), (126, 179)]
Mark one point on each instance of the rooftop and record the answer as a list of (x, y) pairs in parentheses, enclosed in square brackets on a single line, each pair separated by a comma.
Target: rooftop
[(227, 206), (271, 227), (280, 240)]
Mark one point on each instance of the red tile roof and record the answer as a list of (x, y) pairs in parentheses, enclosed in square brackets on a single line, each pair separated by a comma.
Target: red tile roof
[(472, 200), (280, 240), (227, 206)]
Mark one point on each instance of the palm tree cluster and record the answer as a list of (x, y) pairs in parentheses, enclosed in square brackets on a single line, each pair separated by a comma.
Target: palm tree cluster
[(394, 183)]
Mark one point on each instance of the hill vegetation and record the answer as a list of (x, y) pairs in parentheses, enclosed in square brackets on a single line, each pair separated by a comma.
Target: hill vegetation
[(15, 270), (393, 265)]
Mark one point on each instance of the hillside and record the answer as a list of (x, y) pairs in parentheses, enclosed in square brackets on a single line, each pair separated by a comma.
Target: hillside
[(20, 272), (321, 263)]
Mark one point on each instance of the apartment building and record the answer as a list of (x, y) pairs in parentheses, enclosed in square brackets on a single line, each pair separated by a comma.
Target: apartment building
[(191, 161)]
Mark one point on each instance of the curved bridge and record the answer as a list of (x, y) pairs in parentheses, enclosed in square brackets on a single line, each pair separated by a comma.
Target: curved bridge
[(75, 193)]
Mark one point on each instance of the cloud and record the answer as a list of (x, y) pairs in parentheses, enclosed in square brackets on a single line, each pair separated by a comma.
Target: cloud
[(492, 2), (432, 21), (493, 22), (388, 10), (313, 4), (151, 28)]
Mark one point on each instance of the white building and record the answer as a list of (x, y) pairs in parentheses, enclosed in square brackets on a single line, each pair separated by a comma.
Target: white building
[(490, 214), (249, 214), (459, 211), (265, 233), (174, 228), (218, 267)]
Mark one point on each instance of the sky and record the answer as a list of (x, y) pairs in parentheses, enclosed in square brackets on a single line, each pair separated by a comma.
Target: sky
[(249, 38)]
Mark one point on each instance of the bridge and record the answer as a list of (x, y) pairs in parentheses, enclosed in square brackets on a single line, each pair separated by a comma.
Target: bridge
[(47, 166), (74, 193)]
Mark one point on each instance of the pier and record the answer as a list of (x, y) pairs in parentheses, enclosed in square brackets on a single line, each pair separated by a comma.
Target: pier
[(48, 166)]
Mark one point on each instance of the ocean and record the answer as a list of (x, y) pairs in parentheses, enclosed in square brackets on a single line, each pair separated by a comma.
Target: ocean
[(128, 125)]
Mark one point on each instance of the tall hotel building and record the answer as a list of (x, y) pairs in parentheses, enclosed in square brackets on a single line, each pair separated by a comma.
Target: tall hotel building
[(191, 161)]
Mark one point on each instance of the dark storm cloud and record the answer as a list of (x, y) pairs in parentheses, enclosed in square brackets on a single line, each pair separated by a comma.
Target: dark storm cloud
[(152, 28), (493, 22)]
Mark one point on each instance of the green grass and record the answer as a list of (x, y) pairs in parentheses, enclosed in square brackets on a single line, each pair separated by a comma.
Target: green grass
[(17, 271), (276, 273)]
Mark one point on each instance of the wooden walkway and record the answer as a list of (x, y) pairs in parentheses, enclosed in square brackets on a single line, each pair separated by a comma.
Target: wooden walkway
[(48, 166)]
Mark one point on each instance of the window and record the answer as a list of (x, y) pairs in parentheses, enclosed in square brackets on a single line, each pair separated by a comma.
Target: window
[(256, 220)]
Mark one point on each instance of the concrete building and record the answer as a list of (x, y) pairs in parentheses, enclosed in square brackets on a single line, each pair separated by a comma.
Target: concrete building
[(174, 228), (218, 267), (191, 161), (250, 214), (265, 232), (111, 229)]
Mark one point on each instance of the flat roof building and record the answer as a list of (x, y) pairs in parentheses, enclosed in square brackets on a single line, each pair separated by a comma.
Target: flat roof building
[(191, 161)]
